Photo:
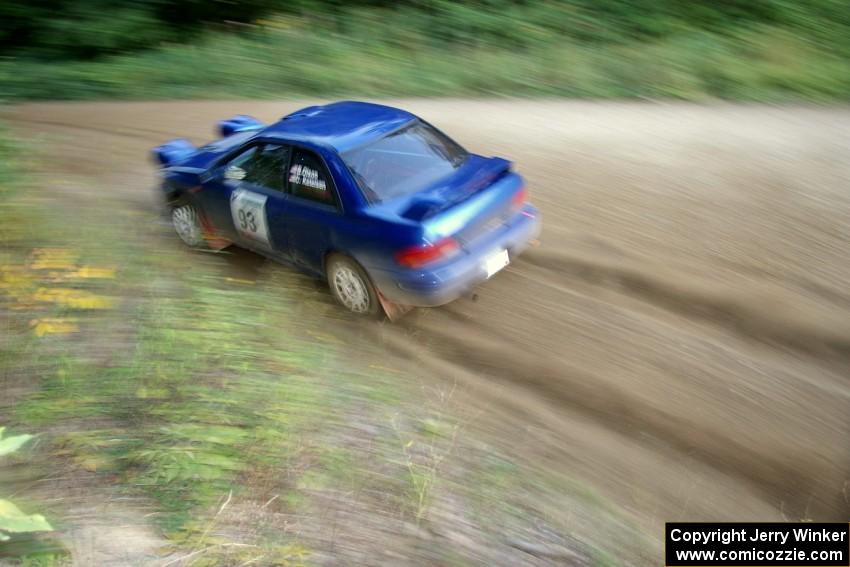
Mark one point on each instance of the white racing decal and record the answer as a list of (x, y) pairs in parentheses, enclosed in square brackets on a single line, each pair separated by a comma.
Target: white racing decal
[(249, 215), (303, 175)]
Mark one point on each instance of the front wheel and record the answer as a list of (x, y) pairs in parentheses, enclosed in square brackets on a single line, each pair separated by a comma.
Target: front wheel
[(187, 225), (351, 286)]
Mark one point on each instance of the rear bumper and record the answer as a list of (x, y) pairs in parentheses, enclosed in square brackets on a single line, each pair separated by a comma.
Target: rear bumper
[(449, 281)]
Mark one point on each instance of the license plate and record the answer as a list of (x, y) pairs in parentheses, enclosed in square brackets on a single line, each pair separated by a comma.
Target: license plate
[(495, 262)]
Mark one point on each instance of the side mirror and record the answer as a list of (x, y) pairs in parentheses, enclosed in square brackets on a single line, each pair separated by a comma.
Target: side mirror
[(234, 173)]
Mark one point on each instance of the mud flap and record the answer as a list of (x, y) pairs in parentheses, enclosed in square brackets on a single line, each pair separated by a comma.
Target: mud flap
[(393, 311), (213, 241), (217, 244)]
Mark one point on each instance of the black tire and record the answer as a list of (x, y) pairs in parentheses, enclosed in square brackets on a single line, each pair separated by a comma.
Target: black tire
[(351, 286)]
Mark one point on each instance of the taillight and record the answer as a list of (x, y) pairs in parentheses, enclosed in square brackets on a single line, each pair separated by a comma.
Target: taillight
[(519, 198), (422, 254)]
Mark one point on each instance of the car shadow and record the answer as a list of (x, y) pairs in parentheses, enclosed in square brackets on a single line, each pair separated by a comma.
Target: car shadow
[(243, 264)]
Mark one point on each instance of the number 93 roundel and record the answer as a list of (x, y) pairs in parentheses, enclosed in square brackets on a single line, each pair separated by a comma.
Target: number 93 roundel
[(249, 215)]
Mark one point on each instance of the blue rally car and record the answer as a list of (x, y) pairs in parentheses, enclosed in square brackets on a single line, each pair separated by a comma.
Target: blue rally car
[(391, 211)]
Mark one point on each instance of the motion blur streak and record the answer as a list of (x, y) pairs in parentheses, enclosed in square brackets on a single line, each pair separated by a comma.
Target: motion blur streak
[(681, 338)]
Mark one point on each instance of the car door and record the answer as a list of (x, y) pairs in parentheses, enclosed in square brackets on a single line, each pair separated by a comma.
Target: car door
[(247, 201), (313, 210)]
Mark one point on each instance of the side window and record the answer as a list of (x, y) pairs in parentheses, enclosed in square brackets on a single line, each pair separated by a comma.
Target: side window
[(267, 166), (309, 179), (262, 165), (237, 167)]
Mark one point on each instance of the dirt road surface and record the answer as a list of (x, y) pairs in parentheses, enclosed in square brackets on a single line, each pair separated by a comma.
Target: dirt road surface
[(680, 341)]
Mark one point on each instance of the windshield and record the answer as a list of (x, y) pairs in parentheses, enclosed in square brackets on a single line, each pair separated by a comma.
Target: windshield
[(403, 162)]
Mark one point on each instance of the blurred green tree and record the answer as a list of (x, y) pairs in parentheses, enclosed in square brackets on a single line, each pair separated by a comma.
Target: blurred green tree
[(90, 28)]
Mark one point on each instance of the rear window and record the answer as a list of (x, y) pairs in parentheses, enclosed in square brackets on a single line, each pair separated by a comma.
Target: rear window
[(404, 161)]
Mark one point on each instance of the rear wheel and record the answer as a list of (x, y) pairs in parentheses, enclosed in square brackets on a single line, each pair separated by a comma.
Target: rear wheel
[(187, 224), (351, 286)]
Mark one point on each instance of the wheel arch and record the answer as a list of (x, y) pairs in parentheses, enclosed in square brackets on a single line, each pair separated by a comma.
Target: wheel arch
[(173, 192), (336, 251)]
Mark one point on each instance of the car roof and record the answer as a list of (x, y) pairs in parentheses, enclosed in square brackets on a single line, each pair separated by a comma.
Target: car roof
[(341, 125)]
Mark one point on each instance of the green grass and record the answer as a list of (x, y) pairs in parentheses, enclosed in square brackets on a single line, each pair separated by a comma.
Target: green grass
[(180, 390), (382, 53), (214, 381)]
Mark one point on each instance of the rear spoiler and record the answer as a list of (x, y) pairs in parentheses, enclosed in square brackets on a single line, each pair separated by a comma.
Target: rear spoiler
[(441, 198)]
